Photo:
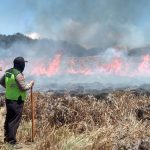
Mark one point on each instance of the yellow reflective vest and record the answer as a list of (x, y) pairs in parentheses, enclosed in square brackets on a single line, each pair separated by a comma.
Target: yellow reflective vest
[(12, 90)]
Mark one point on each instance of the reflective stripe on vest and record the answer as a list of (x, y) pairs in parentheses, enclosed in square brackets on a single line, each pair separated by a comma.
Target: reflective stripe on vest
[(12, 90)]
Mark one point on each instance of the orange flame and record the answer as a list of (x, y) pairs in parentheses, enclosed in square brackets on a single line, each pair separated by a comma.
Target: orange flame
[(52, 69), (89, 66), (115, 66), (144, 66)]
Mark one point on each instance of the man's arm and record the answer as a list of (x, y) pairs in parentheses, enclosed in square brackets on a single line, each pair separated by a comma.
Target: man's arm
[(21, 83), (2, 81)]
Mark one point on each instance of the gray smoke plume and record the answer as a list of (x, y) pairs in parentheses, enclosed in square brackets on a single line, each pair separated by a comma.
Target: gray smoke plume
[(89, 33), (106, 66), (97, 23)]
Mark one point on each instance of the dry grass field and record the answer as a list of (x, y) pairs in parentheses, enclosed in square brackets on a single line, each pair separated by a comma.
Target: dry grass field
[(120, 121)]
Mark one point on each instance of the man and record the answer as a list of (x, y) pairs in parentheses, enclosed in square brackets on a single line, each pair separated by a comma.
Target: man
[(14, 82)]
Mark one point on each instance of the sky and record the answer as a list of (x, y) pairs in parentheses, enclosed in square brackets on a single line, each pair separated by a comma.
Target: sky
[(91, 23)]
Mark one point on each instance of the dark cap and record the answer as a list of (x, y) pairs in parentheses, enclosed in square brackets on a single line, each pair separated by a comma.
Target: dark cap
[(19, 60)]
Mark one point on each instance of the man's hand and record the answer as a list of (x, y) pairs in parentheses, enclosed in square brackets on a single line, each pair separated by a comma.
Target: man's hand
[(32, 83)]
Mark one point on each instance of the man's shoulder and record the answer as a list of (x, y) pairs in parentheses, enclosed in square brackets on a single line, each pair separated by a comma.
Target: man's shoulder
[(13, 71), (8, 70)]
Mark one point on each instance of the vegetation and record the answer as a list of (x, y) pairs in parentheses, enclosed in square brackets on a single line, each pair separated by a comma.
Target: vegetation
[(122, 121), (119, 122), (6, 41)]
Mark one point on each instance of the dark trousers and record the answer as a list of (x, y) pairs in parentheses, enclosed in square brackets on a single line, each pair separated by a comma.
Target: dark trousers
[(13, 117)]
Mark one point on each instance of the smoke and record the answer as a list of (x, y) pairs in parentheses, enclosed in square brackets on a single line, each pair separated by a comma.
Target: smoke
[(33, 35), (50, 62), (95, 23), (83, 41)]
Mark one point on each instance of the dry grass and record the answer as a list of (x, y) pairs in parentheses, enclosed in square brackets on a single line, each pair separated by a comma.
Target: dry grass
[(119, 122)]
